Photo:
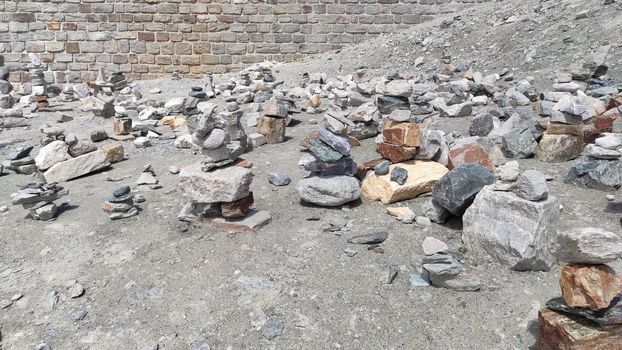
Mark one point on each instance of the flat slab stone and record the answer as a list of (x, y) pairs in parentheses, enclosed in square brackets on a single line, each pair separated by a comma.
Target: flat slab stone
[(253, 221), (221, 185), (76, 167), (422, 177)]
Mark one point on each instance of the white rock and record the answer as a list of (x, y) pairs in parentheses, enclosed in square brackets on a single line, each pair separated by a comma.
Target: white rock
[(432, 246), (142, 142), (51, 154), (76, 167)]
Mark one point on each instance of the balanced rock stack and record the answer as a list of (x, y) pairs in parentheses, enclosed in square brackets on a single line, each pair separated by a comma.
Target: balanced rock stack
[(601, 165), (563, 139), (219, 137), (195, 96), (39, 199), (120, 205), (273, 122), (107, 87), (67, 95), (6, 100), (589, 313), (331, 182), (38, 82), (218, 191), (20, 161), (121, 122)]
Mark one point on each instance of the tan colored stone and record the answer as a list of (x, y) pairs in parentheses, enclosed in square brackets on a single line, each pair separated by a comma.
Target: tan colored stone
[(121, 126), (178, 122), (560, 128), (167, 120), (557, 148), (272, 128), (402, 134), (114, 152), (590, 286), (398, 211), (314, 101), (564, 332), (422, 177)]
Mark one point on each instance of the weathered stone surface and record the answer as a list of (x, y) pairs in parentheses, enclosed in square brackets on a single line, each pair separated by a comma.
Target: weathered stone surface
[(519, 143), (272, 128), (456, 190), (532, 186), (435, 212), (221, 185), (343, 166), (482, 125), (338, 142), (329, 191), (456, 110), (588, 245), (402, 134), (601, 153), (396, 153), (422, 177), (612, 315), (511, 230), (399, 175), (432, 246), (565, 332), (114, 152), (51, 154), (275, 108), (600, 174), (387, 104), (472, 153), (509, 171), (253, 221), (239, 208), (323, 151), (76, 167), (556, 148), (81, 149), (589, 286), (121, 126), (559, 128), (395, 88)]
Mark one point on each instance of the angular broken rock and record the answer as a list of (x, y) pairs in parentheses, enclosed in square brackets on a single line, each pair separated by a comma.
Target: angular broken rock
[(76, 167), (456, 110), (239, 208), (272, 128), (604, 317), (472, 153), (557, 148), (51, 154), (589, 286), (330, 191), (508, 171), (396, 153), (532, 186), (402, 134), (422, 178), (600, 174), (114, 152), (370, 238), (432, 246), (221, 185), (511, 230), (588, 245), (456, 190), (519, 143)]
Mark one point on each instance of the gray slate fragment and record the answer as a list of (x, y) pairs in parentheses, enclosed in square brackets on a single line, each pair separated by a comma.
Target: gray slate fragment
[(370, 238), (532, 186), (456, 190)]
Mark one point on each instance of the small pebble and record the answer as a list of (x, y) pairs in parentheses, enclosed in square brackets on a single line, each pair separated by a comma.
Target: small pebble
[(350, 252), (174, 170)]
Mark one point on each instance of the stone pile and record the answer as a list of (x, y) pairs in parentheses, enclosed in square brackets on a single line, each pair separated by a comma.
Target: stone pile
[(39, 199), (20, 161), (108, 87), (121, 122), (331, 180), (6, 100), (191, 102), (273, 122), (120, 205), (67, 95), (589, 313)]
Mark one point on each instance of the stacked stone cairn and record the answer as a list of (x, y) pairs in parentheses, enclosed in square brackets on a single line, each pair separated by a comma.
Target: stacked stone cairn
[(195, 96), (20, 161), (273, 122), (589, 313), (120, 205), (121, 122), (39, 199), (7, 102), (218, 191), (331, 180), (38, 82)]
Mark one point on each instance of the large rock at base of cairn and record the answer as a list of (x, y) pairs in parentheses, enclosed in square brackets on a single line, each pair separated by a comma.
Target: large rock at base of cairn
[(272, 128), (589, 286), (330, 191), (564, 332), (221, 185), (511, 230), (422, 177)]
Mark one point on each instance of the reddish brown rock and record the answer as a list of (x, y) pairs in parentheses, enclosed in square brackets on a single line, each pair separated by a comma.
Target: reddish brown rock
[(565, 332), (272, 128), (589, 286), (402, 134), (396, 153), (557, 148), (243, 163), (604, 123), (472, 153), (363, 168), (560, 128), (239, 208)]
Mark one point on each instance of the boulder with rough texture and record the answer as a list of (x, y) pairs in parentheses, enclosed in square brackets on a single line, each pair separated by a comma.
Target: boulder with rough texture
[(114, 151), (532, 186), (472, 153), (600, 174), (519, 143), (402, 134), (227, 184), (51, 154), (329, 191), (396, 153), (272, 128), (560, 331), (456, 190), (557, 148), (422, 177), (76, 167), (589, 286), (588, 245), (511, 230)]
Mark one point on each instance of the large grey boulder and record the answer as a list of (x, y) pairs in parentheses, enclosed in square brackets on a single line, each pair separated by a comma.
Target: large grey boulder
[(587, 245), (455, 191), (600, 174), (329, 191), (221, 185), (511, 230)]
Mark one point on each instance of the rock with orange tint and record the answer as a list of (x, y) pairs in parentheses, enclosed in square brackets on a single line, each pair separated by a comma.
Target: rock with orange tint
[(402, 134), (565, 332), (396, 153), (239, 208), (472, 153), (422, 177), (589, 286)]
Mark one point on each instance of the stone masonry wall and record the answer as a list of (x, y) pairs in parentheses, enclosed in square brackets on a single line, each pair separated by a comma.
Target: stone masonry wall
[(150, 38)]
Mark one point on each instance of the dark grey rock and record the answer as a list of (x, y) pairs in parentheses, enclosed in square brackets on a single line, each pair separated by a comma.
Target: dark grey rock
[(387, 104), (272, 329), (519, 143), (399, 175), (600, 174), (382, 168), (456, 190), (121, 191), (343, 166), (604, 317), (481, 125), (99, 135), (370, 238), (338, 142), (20, 153)]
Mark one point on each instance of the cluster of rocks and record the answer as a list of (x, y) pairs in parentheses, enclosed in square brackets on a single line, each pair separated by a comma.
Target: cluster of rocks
[(38, 198), (589, 313), (8, 108), (601, 165), (120, 205), (38, 83), (121, 122), (108, 86), (20, 161), (331, 180)]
